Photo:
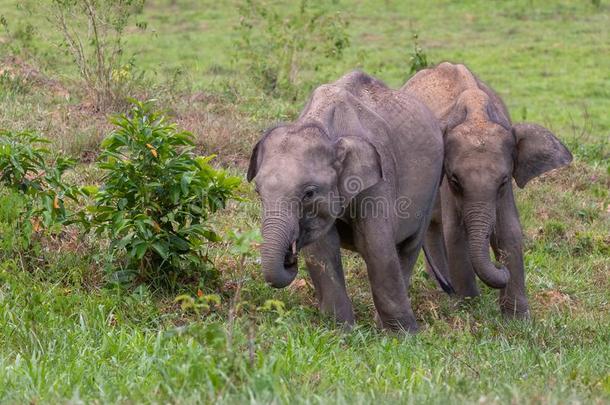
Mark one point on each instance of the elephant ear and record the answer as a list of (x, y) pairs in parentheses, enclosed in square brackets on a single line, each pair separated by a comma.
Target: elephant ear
[(358, 164), (254, 163), (256, 157), (456, 115), (538, 151)]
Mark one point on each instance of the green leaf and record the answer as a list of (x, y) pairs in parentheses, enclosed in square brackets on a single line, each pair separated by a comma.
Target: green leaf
[(90, 191), (185, 181), (178, 243), (139, 250), (161, 249)]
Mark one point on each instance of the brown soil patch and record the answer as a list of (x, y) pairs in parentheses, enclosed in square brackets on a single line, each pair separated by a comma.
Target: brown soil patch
[(555, 299), (578, 176), (427, 303), (15, 67)]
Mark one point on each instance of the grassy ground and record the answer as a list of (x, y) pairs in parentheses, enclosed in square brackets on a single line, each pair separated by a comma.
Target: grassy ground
[(65, 336)]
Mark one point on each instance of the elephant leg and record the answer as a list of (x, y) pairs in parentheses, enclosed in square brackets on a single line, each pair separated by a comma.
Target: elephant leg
[(507, 243), (408, 252), (461, 273), (375, 242), (323, 259), (434, 248), (408, 256)]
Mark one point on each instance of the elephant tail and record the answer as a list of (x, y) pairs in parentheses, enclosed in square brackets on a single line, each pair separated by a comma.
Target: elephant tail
[(442, 281)]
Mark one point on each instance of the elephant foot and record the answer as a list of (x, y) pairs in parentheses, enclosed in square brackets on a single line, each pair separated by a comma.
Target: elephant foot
[(342, 312), (465, 286), (466, 299), (514, 308), (525, 315), (399, 324)]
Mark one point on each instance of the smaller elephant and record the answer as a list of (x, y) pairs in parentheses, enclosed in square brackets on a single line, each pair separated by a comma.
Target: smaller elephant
[(476, 205), (359, 169)]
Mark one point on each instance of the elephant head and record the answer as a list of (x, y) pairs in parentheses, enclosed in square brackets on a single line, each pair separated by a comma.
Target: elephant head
[(305, 181), (482, 152)]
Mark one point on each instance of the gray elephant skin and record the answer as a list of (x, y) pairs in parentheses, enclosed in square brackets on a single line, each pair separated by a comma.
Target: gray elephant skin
[(476, 206), (359, 169)]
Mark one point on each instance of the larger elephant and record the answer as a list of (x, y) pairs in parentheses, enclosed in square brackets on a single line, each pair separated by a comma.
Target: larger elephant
[(359, 169), (483, 150)]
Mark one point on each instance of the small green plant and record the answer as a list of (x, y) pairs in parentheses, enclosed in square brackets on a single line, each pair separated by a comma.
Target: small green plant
[(201, 303), (24, 168), (22, 159), (15, 232), (243, 244), (418, 59), (280, 50), (157, 196), (554, 230)]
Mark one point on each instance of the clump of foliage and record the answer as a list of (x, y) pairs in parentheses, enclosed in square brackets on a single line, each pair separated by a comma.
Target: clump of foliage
[(92, 32), (157, 196), (418, 59), (280, 49), (24, 168)]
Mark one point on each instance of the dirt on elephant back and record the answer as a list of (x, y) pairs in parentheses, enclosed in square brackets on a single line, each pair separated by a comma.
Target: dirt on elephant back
[(15, 68)]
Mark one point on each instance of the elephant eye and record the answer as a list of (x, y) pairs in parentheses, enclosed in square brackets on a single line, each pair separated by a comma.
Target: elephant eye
[(309, 193), (455, 183)]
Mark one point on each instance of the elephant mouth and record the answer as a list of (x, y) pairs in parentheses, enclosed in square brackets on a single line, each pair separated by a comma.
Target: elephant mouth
[(291, 258)]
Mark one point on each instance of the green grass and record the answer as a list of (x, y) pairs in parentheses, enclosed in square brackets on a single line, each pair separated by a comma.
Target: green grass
[(66, 336)]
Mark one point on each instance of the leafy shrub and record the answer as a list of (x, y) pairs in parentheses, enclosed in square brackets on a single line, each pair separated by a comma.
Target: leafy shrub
[(15, 233), (24, 168), (157, 196), (22, 158), (418, 59), (278, 49), (92, 32)]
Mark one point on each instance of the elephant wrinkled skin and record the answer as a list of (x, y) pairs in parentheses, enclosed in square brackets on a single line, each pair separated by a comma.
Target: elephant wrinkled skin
[(476, 206), (359, 169)]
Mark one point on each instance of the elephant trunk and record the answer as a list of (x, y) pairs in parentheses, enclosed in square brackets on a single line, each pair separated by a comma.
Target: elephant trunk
[(278, 251), (479, 218)]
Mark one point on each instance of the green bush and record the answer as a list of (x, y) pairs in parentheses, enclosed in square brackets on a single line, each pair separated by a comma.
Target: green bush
[(22, 159), (24, 168), (157, 197), (15, 233)]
